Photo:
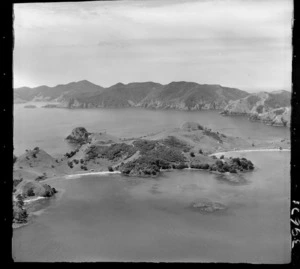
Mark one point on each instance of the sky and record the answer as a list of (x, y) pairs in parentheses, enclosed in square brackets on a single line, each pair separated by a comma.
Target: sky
[(243, 44)]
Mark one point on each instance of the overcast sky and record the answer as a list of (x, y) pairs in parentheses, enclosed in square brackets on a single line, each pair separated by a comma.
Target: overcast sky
[(244, 44)]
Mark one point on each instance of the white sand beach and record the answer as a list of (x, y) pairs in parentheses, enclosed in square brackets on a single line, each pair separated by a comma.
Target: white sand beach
[(247, 150)]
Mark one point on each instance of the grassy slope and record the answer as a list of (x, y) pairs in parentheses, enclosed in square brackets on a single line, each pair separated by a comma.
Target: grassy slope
[(186, 141)]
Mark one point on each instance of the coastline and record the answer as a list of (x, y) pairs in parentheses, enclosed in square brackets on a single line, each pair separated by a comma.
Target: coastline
[(30, 200), (91, 173), (78, 175), (247, 150)]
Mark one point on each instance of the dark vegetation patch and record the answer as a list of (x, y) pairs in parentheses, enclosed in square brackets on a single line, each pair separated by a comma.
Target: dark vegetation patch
[(173, 142), (41, 177), (152, 161), (79, 136), (16, 181), (171, 155), (30, 192), (112, 153), (83, 167), (232, 165), (252, 100), (180, 165), (145, 146), (70, 164), (49, 191), (71, 153), (260, 109), (20, 214), (204, 166), (110, 169), (214, 135), (278, 100)]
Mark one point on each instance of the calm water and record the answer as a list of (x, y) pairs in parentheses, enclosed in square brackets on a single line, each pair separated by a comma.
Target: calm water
[(47, 128), (115, 218)]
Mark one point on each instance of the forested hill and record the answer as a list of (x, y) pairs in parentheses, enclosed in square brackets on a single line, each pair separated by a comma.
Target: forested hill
[(175, 95)]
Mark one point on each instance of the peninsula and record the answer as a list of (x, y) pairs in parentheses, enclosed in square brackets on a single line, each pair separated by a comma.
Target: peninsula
[(188, 146)]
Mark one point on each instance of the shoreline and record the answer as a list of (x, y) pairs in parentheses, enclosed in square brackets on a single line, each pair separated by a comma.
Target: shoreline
[(248, 150), (30, 200), (118, 172), (78, 175), (91, 173)]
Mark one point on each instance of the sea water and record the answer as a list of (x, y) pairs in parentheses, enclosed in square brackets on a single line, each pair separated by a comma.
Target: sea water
[(48, 127), (118, 218), (109, 217)]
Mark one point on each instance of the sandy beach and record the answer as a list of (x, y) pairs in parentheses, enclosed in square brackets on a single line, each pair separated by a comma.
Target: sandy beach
[(247, 150)]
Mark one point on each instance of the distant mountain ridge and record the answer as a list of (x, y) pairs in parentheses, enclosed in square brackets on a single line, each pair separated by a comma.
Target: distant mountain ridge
[(273, 108), (57, 93), (180, 95)]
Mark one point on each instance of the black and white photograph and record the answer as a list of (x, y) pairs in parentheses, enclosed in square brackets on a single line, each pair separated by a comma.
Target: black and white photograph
[(152, 131)]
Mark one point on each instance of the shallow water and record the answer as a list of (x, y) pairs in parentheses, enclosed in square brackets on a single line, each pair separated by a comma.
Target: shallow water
[(47, 128), (116, 218)]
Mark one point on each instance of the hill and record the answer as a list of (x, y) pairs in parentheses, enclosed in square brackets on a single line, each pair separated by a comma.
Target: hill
[(273, 108), (58, 93), (175, 95)]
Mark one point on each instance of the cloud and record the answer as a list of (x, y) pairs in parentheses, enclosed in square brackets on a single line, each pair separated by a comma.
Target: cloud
[(232, 42)]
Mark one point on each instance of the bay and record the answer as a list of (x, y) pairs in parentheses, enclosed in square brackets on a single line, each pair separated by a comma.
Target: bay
[(116, 218), (48, 127)]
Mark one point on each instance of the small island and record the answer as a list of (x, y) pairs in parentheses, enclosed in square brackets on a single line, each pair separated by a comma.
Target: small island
[(190, 146)]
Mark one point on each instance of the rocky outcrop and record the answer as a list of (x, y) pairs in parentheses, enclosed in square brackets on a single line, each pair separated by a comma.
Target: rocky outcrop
[(79, 135), (272, 108)]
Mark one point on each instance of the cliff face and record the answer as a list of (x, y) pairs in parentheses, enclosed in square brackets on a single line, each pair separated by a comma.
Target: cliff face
[(272, 108), (176, 95)]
